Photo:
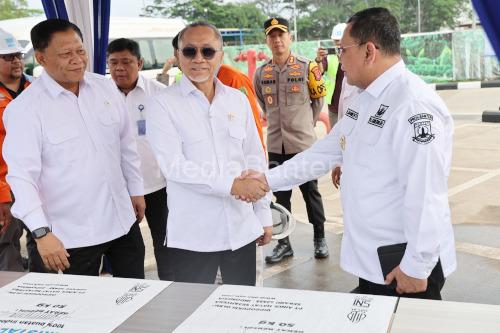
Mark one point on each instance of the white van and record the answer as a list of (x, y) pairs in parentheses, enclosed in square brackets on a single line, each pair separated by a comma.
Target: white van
[(154, 36)]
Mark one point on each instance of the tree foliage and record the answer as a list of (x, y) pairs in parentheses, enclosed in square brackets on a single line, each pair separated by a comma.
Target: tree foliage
[(10, 9), (315, 18)]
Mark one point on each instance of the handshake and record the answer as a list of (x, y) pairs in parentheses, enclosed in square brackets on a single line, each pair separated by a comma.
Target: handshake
[(250, 186)]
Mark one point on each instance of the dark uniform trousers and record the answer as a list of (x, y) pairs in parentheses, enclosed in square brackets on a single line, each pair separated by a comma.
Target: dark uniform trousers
[(310, 193), (125, 255), (236, 267), (157, 215), (10, 255)]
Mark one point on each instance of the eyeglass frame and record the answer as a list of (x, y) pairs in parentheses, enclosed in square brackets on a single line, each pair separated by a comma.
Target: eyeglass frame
[(199, 49), (340, 49), (11, 56)]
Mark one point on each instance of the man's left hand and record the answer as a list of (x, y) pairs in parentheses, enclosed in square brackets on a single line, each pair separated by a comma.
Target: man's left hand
[(266, 237), (139, 206), (406, 284)]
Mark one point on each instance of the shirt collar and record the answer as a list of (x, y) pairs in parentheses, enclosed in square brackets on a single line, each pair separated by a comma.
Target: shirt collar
[(187, 87), (140, 84), (55, 88), (377, 86)]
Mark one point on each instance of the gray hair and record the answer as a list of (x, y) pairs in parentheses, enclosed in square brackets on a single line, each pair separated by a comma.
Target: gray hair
[(216, 31)]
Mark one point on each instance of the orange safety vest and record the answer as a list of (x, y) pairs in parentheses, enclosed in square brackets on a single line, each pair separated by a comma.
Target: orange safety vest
[(5, 99), (231, 77)]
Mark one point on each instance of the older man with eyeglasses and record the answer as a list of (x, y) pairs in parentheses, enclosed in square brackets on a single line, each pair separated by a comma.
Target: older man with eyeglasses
[(204, 135)]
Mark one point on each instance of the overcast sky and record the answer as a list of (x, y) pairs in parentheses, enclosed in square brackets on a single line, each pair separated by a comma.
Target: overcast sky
[(118, 7)]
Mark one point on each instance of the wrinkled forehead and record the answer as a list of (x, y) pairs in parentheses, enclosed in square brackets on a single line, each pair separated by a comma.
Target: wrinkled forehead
[(200, 37)]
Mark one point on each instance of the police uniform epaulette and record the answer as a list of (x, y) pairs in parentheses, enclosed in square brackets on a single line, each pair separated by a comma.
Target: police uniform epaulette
[(302, 59)]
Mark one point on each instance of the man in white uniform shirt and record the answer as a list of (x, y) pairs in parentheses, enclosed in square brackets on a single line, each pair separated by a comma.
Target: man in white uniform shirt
[(203, 134), (73, 162), (125, 62), (395, 144)]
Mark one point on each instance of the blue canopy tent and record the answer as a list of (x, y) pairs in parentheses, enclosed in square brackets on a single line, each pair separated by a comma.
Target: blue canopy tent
[(101, 14), (489, 15)]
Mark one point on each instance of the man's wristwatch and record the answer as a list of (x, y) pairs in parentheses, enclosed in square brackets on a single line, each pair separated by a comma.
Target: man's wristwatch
[(40, 232)]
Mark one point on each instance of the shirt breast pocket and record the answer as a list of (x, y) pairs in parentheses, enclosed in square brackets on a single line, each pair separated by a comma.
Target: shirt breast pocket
[(237, 135), (62, 144), (296, 94), (374, 151), (110, 124)]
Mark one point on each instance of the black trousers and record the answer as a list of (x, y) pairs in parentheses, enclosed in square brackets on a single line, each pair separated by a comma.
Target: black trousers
[(125, 254), (237, 267), (435, 283), (10, 247), (157, 215), (310, 193)]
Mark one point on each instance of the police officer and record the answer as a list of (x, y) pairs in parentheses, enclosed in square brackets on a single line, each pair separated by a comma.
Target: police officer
[(395, 143), (290, 90)]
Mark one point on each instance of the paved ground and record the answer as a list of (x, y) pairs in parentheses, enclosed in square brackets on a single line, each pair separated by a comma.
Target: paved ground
[(474, 191)]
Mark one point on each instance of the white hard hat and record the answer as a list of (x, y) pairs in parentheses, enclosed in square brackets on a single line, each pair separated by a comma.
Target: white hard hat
[(338, 30), (8, 43), (283, 221)]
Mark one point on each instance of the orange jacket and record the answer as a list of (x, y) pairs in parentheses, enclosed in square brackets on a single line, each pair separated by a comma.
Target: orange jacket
[(5, 99), (233, 78)]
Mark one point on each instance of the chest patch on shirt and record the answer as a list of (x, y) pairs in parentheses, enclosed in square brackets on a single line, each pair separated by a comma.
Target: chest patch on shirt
[(375, 121), (268, 69), (295, 79), (351, 114), (381, 110), (422, 127)]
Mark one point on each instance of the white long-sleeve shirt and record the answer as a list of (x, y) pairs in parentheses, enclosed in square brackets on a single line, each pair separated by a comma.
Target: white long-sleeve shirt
[(201, 148), (395, 144), (137, 101), (72, 160)]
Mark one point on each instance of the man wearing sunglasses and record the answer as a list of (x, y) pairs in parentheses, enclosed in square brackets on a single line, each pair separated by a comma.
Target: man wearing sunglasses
[(12, 83), (204, 135), (395, 143), (290, 90)]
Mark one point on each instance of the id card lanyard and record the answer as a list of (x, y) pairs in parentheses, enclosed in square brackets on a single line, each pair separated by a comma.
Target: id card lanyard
[(141, 123)]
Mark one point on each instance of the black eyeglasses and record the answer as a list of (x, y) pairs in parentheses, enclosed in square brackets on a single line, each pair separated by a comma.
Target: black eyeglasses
[(206, 52), (10, 57)]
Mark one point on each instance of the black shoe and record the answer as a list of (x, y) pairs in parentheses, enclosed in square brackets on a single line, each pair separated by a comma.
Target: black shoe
[(320, 248), (280, 252)]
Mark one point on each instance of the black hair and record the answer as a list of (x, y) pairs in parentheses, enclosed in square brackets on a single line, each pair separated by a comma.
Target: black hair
[(379, 26), (175, 42), (42, 33), (124, 44)]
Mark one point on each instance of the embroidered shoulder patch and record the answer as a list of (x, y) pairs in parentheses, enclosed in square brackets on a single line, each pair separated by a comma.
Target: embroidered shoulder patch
[(351, 114), (422, 127)]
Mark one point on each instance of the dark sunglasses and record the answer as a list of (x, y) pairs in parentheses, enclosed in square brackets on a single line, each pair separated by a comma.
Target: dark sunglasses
[(206, 52), (10, 57)]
